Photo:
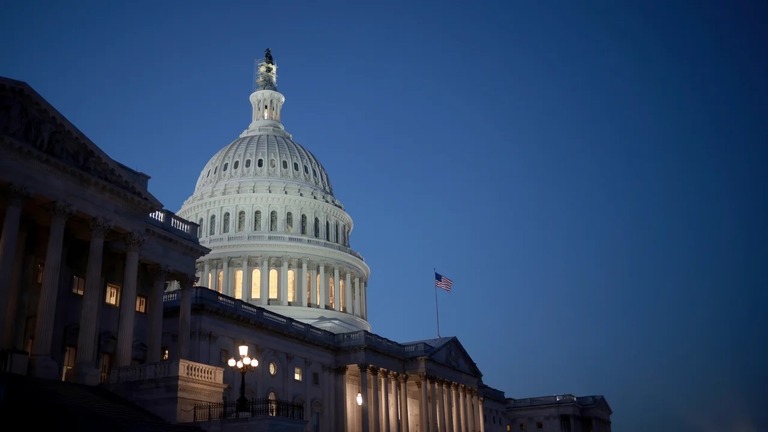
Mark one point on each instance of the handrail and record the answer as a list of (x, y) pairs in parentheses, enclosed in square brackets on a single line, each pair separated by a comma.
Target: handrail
[(207, 411)]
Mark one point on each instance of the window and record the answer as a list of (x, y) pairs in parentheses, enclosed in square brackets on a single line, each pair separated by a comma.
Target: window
[(247, 163), (225, 225), (317, 228), (236, 164), (272, 368), (113, 295), (306, 170), (272, 284), (295, 166), (39, 273), (272, 163), (539, 426), (256, 283), (303, 224), (240, 221), (200, 227), (260, 163), (78, 285), (273, 221), (70, 353), (285, 164), (141, 304), (289, 222), (523, 427), (331, 292), (106, 366), (272, 403), (226, 165), (315, 378), (257, 220), (239, 284), (297, 374), (223, 356), (212, 225), (291, 285), (327, 231), (336, 233)]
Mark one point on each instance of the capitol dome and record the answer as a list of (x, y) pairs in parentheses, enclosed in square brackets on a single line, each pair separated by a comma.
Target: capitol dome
[(278, 236)]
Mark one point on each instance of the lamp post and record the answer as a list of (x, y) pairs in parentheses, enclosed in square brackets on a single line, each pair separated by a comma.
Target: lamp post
[(242, 365)]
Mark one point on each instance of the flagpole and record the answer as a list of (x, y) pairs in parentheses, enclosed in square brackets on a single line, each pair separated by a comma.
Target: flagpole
[(437, 313)]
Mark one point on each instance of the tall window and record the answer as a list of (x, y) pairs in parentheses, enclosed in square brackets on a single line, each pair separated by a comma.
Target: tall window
[(225, 225), (291, 285), (141, 304), (308, 288), (317, 228), (220, 281), (273, 284), (200, 228), (342, 294), (240, 221), (106, 366), (289, 222), (112, 296), (212, 225), (304, 224), (70, 353), (327, 230), (257, 220), (256, 283), (332, 292), (336, 233), (78, 285), (239, 284), (273, 221), (272, 404)]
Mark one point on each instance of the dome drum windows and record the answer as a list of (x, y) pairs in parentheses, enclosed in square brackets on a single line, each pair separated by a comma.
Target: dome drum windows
[(236, 165), (212, 226), (257, 220), (225, 223), (289, 222), (273, 220), (260, 163), (247, 163), (285, 164), (304, 224), (226, 165)]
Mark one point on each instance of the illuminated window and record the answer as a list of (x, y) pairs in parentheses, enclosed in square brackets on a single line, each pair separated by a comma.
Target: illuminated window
[(220, 281), (273, 284), (239, 284), (272, 404), (141, 304), (113, 295), (272, 368), (291, 285), (342, 295), (308, 288), (297, 373), (39, 273), (78, 285), (256, 283), (331, 291)]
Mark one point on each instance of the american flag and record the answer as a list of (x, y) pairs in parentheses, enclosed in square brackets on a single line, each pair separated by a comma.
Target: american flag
[(443, 282)]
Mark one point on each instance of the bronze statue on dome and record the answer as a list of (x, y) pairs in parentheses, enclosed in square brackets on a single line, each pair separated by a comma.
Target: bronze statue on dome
[(268, 57)]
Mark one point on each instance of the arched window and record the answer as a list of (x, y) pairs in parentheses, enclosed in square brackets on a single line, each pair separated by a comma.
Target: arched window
[(317, 228), (272, 404), (260, 163), (212, 225), (327, 230), (225, 226), (220, 281), (256, 283), (273, 284), (332, 292), (304, 224), (240, 221), (342, 294), (336, 233), (239, 284), (200, 228), (257, 220), (289, 222), (291, 286), (273, 221)]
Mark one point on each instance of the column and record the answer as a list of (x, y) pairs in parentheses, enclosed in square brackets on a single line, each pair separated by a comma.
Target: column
[(336, 290), (282, 295), (356, 305), (404, 403), (440, 406), (341, 398), (124, 352), (451, 405), (480, 415), (86, 369), (364, 418), (432, 388), (348, 307), (226, 286), (313, 288), (301, 284), (245, 288), (323, 300), (363, 301), (215, 276), (462, 408), (387, 412), (155, 312), (42, 365), (264, 281), (470, 414), (423, 417), (185, 313), (206, 279), (375, 402), (8, 245)]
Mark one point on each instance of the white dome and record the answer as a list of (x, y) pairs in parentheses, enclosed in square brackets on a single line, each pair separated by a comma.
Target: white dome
[(278, 236)]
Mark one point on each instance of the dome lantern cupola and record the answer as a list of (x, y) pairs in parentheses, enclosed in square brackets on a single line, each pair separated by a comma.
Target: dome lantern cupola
[(266, 100)]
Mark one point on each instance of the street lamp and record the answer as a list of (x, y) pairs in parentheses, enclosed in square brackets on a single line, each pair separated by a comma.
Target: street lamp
[(243, 364)]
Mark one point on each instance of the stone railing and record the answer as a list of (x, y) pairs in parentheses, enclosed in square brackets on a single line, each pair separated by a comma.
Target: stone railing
[(295, 239), (168, 369), (168, 221)]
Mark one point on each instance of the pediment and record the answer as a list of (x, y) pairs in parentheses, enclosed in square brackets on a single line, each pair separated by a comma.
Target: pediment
[(35, 127), (450, 352)]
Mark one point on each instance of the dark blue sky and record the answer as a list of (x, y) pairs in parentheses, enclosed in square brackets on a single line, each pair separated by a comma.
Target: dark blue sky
[(592, 175)]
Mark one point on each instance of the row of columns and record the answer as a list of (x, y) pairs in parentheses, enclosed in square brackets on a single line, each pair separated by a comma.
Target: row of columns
[(41, 362), (443, 406), (354, 295)]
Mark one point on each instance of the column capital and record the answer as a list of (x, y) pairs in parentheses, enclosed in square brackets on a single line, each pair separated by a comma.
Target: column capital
[(403, 378), (134, 240), (61, 209), (373, 370), (16, 194), (100, 226), (340, 370)]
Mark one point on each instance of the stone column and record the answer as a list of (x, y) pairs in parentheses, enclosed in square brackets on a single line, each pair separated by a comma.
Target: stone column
[(226, 286), (364, 418), (215, 276), (206, 279), (451, 402), (41, 363), (363, 301), (375, 402), (245, 288), (323, 300), (423, 404), (433, 405), (336, 290), (356, 305), (480, 414), (301, 284), (86, 369), (440, 406), (124, 352), (8, 246), (462, 409), (185, 314), (282, 294), (313, 288), (470, 413), (264, 280), (155, 312), (386, 409), (348, 307), (404, 426)]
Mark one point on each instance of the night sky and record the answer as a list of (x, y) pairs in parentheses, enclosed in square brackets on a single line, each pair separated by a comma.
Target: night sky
[(591, 175)]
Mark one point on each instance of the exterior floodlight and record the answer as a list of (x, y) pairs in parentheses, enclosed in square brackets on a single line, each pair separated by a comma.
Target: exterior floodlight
[(359, 398)]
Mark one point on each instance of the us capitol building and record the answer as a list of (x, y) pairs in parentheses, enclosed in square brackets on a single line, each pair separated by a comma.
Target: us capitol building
[(244, 310)]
